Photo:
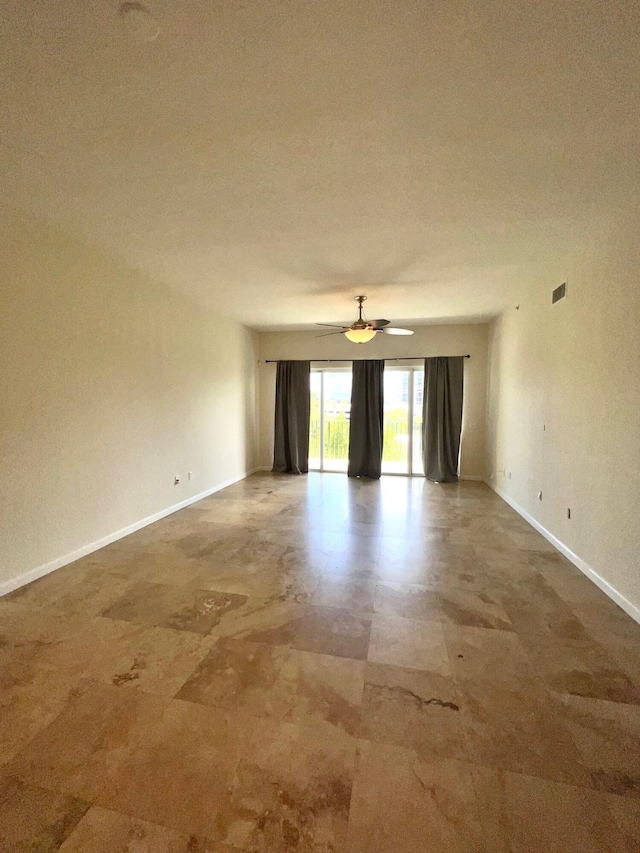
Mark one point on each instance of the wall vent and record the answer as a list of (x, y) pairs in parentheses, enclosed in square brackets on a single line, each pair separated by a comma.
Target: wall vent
[(559, 293)]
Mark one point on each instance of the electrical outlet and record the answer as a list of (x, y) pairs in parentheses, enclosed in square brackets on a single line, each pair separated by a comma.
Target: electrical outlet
[(190, 475), (176, 480)]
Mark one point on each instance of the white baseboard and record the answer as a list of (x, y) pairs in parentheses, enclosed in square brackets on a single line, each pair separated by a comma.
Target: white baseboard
[(577, 561), (46, 568)]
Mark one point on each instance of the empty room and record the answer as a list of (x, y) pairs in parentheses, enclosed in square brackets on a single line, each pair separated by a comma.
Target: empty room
[(320, 426)]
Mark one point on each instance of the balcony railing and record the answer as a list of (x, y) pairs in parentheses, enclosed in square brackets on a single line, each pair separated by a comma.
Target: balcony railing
[(336, 440)]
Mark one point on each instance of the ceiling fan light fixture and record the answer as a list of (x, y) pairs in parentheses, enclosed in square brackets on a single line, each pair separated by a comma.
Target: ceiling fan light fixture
[(395, 331), (360, 336)]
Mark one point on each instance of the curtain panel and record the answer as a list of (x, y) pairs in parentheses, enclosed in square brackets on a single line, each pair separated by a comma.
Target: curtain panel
[(291, 434), (365, 432), (442, 417)]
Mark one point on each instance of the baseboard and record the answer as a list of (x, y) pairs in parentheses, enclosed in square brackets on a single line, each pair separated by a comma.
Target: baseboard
[(577, 561), (59, 562)]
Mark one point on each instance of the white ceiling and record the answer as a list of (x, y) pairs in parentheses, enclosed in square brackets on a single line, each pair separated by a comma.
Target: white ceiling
[(275, 157)]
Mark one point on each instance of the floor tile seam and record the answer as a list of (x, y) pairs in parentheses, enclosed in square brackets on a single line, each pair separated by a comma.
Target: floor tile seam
[(583, 787), (292, 647), (140, 624), (283, 646), (566, 731), (385, 616), (572, 643), (318, 727), (573, 785), (108, 799), (90, 682), (27, 744), (134, 817)]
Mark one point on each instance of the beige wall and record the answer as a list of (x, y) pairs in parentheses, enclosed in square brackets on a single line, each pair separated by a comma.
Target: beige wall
[(111, 385), (564, 406), (432, 340)]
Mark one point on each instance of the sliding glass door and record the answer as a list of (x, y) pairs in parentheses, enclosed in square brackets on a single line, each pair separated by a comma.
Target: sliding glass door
[(330, 411), (402, 447), (329, 424)]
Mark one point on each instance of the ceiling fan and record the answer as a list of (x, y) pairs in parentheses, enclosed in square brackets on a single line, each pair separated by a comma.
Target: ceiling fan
[(363, 330)]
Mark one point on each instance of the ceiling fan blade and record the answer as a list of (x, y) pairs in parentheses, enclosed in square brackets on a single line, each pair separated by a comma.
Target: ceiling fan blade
[(395, 331), (332, 325), (329, 333), (378, 324)]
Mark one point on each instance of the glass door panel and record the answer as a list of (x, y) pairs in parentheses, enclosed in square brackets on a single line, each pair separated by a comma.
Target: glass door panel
[(395, 447), (416, 457), (329, 421), (315, 422), (336, 410)]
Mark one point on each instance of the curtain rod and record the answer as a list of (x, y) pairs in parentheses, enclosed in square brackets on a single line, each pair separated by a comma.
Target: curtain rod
[(329, 360)]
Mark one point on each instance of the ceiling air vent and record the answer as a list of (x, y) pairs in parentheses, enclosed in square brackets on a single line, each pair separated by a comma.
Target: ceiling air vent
[(559, 293)]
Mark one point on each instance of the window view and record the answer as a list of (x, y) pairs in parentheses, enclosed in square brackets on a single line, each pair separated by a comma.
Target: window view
[(329, 425)]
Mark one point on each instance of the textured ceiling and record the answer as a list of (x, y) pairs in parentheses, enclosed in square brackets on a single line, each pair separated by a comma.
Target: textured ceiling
[(273, 159)]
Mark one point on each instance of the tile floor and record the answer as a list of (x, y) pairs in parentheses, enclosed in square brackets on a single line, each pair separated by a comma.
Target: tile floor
[(321, 664)]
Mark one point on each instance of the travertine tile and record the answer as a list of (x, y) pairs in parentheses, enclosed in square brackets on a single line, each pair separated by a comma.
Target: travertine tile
[(30, 698), (107, 831), (402, 804), (132, 752), (279, 682), (291, 790), (606, 619), (157, 660), (268, 582), (518, 728), (348, 593), (32, 636), (410, 601), (81, 747), (607, 737), (522, 814), (468, 679), (411, 643), (168, 606), (533, 607), (73, 590), (465, 607), (325, 630), (35, 820), (484, 654), (530, 540), (413, 709), (580, 668)]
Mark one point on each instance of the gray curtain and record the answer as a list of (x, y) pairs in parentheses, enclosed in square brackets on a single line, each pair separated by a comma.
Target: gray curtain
[(442, 417), (291, 446), (365, 433)]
